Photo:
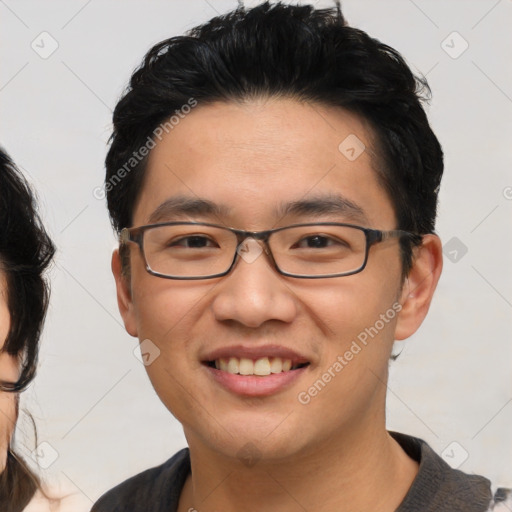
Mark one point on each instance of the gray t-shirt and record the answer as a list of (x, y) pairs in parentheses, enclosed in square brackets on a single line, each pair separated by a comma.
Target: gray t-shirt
[(436, 488)]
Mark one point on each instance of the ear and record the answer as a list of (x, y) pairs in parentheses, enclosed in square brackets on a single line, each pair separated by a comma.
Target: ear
[(124, 295), (419, 286)]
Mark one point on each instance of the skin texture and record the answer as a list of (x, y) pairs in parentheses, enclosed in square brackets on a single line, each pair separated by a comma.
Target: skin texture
[(252, 157), (8, 372)]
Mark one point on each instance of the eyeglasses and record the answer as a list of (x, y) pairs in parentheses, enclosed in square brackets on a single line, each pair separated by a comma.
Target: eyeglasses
[(197, 250), (6, 363), (13, 387)]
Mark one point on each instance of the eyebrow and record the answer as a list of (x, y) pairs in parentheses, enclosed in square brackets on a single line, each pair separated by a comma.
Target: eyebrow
[(182, 206), (324, 205)]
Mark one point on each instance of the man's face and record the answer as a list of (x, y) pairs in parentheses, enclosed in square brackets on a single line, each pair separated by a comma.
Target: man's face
[(252, 160)]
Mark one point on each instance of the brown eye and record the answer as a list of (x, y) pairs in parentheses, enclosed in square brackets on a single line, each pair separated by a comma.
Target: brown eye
[(319, 242), (193, 242)]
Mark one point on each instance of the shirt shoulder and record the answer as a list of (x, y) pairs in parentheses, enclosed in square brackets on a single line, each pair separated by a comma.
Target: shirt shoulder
[(440, 488), (161, 486)]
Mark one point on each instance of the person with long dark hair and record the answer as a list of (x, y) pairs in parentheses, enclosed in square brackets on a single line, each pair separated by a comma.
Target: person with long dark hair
[(26, 251)]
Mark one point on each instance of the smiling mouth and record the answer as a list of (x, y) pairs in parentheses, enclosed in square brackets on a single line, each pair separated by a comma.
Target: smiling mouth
[(260, 367)]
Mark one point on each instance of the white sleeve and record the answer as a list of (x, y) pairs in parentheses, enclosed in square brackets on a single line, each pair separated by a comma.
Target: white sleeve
[(502, 501)]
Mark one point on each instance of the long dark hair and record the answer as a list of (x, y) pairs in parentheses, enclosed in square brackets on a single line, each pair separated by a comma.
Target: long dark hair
[(26, 251)]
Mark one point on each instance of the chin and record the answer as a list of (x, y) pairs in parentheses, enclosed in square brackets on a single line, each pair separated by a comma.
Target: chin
[(248, 440)]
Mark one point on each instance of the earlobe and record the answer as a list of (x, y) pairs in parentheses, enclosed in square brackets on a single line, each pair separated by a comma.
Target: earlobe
[(124, 296), (419, 286)]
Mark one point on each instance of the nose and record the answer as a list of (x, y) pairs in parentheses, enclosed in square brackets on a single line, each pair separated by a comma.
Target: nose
[(253, 292)]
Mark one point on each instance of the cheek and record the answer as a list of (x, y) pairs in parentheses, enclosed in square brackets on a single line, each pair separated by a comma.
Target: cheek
[(358, 319), (7, 423), (9, 372), (347, 308), (163, 305), (168, 314), (9, 368)]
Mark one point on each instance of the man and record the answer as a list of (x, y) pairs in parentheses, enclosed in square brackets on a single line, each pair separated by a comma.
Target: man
[(274, 181)]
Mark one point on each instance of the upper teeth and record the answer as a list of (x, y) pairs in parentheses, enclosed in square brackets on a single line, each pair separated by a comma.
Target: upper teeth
[(262, 366)]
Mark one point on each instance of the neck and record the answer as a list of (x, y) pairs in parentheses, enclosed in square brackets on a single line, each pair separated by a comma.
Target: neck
[(353, 472)]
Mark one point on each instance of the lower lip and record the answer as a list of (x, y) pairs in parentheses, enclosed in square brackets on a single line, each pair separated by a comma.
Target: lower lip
[(254, 386)]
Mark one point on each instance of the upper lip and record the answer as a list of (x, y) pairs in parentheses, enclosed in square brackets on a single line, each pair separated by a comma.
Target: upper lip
[(255, 352)]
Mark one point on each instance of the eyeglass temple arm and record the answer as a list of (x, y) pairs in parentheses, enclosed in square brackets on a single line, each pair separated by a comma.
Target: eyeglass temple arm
[(376, 235), (130, 235)]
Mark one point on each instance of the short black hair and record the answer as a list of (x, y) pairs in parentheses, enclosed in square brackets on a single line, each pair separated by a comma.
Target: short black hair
[(278, 50), (26, 250)]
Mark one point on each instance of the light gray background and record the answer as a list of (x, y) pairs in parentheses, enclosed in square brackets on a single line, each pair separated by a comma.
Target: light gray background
[(96, 412)]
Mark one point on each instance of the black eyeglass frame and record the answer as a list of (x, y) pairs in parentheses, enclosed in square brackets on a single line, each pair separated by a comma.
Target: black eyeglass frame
[(14, 387), (372, 236)]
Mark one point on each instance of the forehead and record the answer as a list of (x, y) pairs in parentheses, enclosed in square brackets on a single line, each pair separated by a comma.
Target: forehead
[(256, 157)]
